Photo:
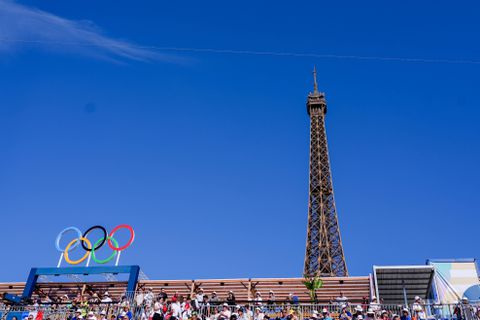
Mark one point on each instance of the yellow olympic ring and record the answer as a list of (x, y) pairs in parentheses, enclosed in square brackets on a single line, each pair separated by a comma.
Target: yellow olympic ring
[(67, 259)]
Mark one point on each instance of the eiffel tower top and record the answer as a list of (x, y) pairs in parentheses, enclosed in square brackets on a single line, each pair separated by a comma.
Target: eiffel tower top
[(316, 97)]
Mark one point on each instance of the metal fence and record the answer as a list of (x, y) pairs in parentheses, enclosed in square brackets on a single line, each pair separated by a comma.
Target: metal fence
[(142, 309)]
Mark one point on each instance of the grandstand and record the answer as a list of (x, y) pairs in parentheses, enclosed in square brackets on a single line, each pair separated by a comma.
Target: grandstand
[(356, 289)]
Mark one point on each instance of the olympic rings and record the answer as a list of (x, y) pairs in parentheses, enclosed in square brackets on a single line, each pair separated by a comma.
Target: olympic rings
[(132, 237), (86, 244), (102, 240), (67, 259), (60, 235), (114, 253)]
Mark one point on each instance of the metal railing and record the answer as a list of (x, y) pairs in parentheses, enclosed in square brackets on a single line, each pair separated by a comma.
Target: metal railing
[(142, 307)]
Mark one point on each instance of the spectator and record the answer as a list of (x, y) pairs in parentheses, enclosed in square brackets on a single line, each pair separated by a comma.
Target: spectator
[(405, 314), (468, 310), (216, 313), (314, 315), (231, 299), (248, 312), (106, 298), (259, 315), (163, 294), (374, 305), (157, 307), (283, 315), (194, 303), (187, 307), (325, 314), (205, 306), (457, 312), (128, 313), (242, 315), (358, 312), (213, 299), (292, 298), (175, 309), (149, 297), (78, 313), (200, 295), (370, 315), (344, 313), (384, 315), (103, 315), (258, 298), (91, 316), (271, 297), (341, 299), (226, 313), (417, 308), (124, 302)]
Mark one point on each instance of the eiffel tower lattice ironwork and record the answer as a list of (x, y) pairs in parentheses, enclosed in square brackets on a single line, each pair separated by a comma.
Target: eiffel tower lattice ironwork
[(324, 252)]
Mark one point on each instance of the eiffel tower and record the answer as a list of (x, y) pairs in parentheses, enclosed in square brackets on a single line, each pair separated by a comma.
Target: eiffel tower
[(324, 252)]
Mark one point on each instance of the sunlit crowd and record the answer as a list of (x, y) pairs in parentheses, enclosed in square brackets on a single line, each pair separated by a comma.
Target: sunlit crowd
[(147, 305)]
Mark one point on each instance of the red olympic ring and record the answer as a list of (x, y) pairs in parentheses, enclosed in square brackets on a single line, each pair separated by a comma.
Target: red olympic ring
[(132, 237)]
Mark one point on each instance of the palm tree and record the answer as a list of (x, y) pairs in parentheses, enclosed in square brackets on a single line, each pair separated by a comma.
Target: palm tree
[(312, 284)]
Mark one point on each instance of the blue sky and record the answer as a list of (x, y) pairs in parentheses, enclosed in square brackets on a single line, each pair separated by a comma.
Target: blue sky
[(206, 154)]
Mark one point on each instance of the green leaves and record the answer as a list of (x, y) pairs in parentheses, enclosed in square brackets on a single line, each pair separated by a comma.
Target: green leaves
[(312, 284)]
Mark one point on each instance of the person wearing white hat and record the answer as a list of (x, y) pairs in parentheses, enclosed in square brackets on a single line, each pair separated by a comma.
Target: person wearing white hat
[(226, 313), (405, 314), (358, 312), (384, 315), (271, 297), (374, 305), (103, 315), (325, 315), (128, 313), (344, 314), (370, 314), (417, 308), (78, 314), (314, 314), (106, 298), (258, 315), (91, 316)]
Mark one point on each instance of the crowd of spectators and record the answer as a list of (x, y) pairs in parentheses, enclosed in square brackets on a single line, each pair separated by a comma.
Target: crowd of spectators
[(146, 305)]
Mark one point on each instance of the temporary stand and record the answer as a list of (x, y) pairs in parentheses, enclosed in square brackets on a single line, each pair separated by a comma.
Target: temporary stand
[(133, 272)]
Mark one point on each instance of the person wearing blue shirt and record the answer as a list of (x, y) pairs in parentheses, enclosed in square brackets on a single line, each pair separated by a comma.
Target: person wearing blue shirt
[(344, 313), (405, 315), (325, 315)]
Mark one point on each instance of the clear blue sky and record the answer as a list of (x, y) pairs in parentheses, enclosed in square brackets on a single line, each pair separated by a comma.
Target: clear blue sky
[(206, 154)]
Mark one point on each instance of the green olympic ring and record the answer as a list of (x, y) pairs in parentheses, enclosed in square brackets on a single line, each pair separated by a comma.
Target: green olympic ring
[(111, 256)]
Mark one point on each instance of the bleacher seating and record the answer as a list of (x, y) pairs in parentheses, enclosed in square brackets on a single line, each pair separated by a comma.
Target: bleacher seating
[(354, 288)]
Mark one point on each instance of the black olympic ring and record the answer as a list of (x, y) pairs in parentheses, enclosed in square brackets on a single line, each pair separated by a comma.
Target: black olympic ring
[(101, 243)]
